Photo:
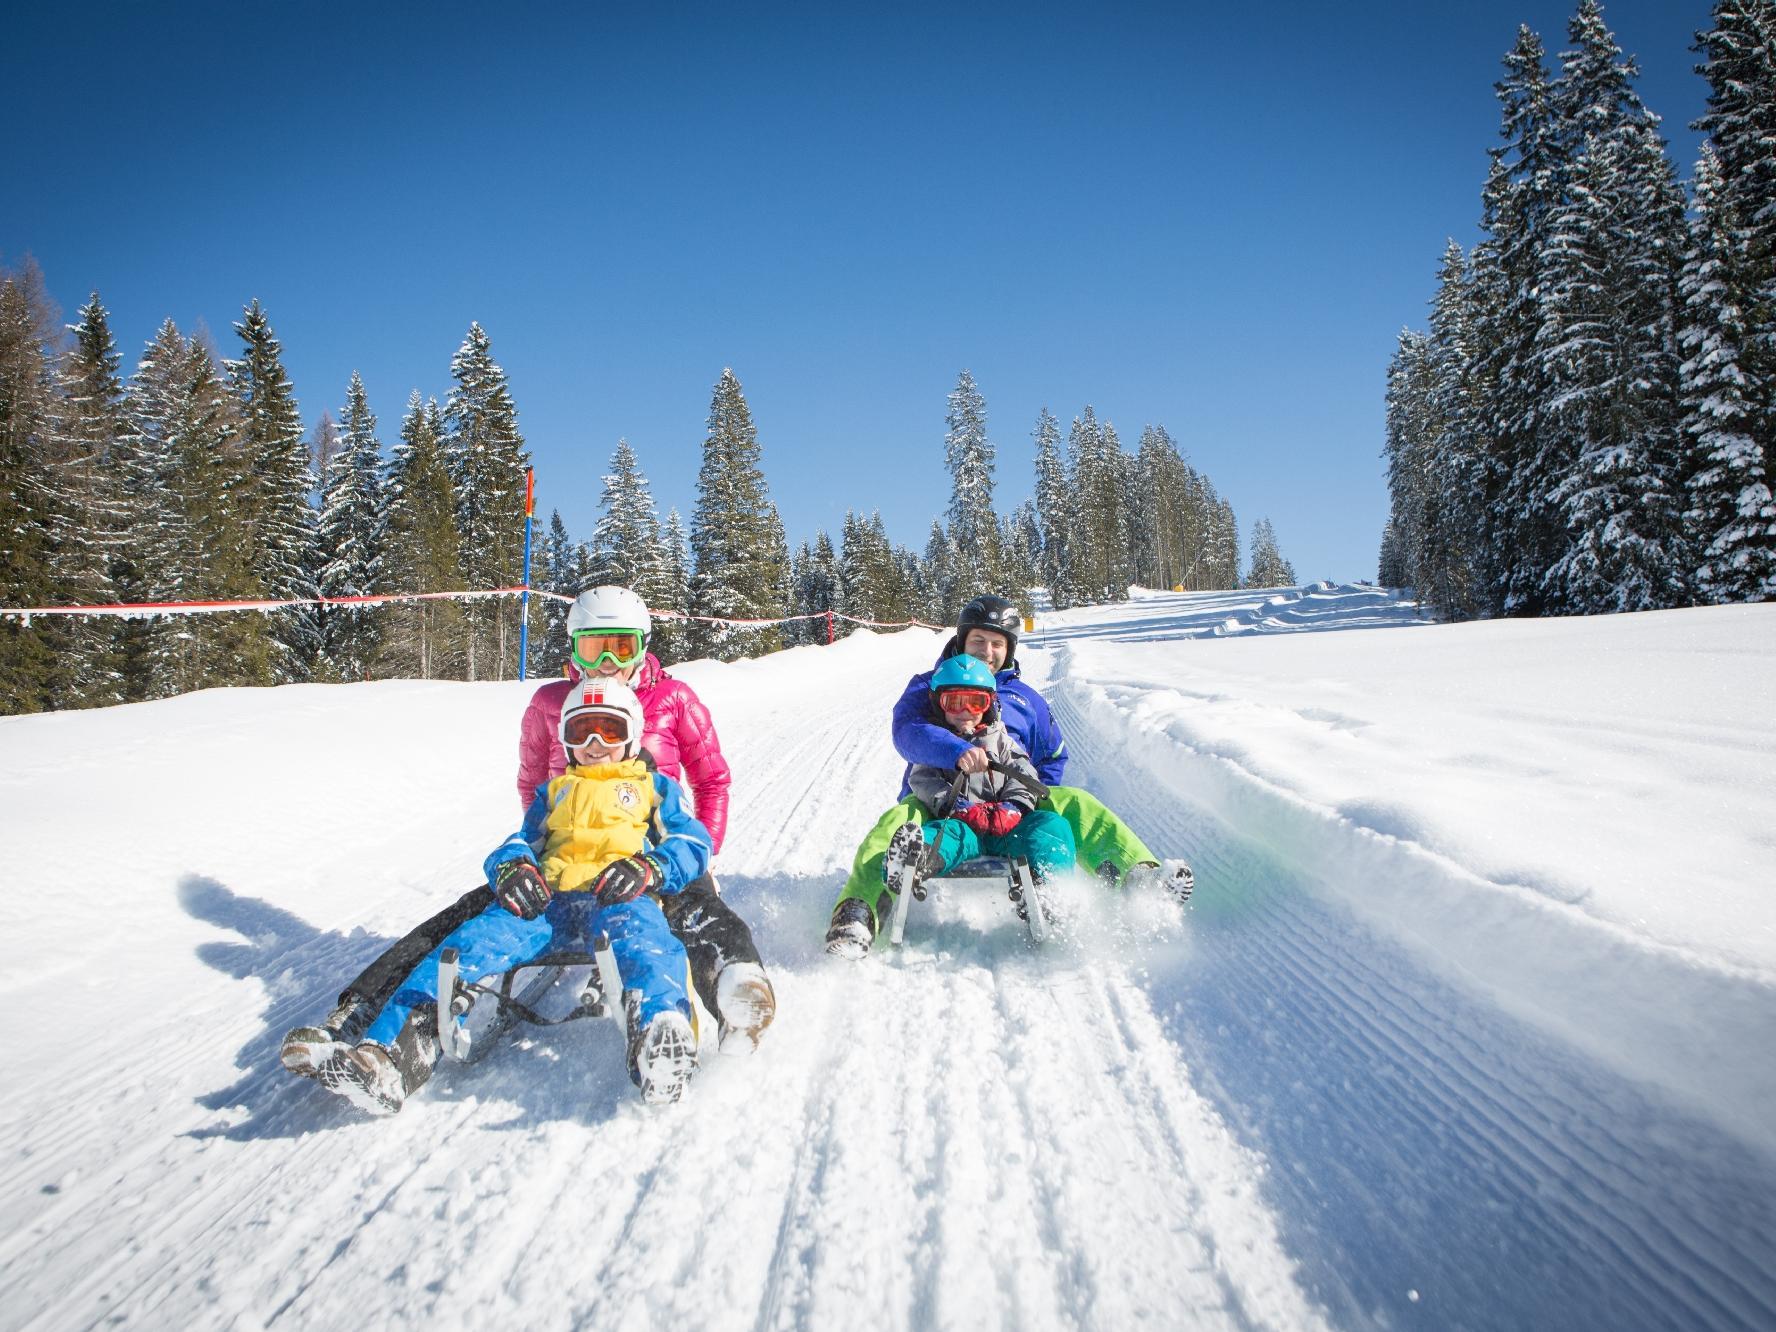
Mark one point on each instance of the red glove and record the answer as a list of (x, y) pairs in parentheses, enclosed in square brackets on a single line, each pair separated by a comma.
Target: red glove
[(978, 817), (1001, 819), (625, 880)]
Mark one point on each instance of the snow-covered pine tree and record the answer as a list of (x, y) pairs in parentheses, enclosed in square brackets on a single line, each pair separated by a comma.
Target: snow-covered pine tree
[(1729, 507), (1268, 568), (1411, 443), (1738, 252), (92, 513), (1523, 530), (189, 539), (29, 411), (1057, 512), (323, 445), (1390, 563), (973, 524), (816, 588), (422, 639), (487, 460), (671, 637), (943, 594), (1162, 493), (1022, 542), (737, 545), (1460, 474), (555, 566), (626, 540), (270, 491), (1099, 468), (1222, 531), (1607, 343), (353, 525), (858, 590)]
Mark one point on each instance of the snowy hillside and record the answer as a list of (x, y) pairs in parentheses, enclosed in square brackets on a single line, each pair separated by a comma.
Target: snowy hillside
[(1472, 1022)]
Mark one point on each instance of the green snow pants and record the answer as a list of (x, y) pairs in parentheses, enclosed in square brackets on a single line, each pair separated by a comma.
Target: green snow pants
[(1098, 835)]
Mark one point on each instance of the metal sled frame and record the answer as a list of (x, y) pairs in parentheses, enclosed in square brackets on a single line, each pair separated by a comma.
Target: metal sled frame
[(1001, 873), (600, 998)]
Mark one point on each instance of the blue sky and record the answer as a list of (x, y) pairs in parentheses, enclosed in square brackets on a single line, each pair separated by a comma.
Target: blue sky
[(1182, 216)]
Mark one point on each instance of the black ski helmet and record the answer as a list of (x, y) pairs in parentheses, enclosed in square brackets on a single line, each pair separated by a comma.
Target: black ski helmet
[(990, 612)]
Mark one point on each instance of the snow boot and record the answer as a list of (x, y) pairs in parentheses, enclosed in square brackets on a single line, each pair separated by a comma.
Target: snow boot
[(910, 861), (662, 1054), (366, 1076), (306, 1049), (853, 929), (745, 1005), (1173, 875)]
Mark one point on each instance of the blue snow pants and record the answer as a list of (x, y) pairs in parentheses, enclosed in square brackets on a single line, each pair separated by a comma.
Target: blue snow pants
[(648, 956), (1042, 837)]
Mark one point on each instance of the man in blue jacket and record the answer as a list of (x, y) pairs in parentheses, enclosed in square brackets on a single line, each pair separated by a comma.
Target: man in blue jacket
[(988, 629)]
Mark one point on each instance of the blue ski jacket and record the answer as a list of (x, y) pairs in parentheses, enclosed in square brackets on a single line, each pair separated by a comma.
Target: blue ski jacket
[(919, 739)]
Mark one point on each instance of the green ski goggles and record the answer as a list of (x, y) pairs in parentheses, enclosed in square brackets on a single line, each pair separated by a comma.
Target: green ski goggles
[(591, 647)]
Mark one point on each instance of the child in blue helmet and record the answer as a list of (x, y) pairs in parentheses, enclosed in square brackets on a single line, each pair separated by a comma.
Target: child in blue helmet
[(987, 812)]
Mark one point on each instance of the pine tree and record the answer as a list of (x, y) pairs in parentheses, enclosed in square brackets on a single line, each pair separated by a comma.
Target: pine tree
[(816, 588), (626, 542), (1523, 531), (737, 541), (973, 525), (1729, 504), (1607, 342), (672, 637), (556, 567), (28, 516), (92, 512), (487, 460), (422, 639), (1730, 307), (270, 493), (1102, 567), (1268, 568), (352, 523), (191, 538), (1056, 511)]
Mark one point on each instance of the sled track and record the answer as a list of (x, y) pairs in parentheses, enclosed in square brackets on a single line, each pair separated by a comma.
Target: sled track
[(1433, 1157)]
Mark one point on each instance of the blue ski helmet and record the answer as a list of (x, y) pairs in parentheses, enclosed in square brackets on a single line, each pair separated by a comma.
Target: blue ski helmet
[(964, 672)]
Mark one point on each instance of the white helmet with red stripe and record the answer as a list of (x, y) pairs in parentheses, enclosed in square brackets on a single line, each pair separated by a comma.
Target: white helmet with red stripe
[(604, 696)]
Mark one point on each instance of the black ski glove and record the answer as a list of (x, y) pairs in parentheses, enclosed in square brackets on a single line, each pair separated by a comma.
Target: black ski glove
[(520, 888), (625, 880)]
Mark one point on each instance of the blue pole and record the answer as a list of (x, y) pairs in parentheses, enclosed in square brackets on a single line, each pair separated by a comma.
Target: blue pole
[(524, 596)]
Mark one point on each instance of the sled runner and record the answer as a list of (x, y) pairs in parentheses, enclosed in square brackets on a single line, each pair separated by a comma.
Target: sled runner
[(999, 873), (553, 989)]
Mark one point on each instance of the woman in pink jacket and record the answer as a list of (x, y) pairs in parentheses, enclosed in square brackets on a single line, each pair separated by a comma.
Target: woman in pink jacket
[(609, 627)]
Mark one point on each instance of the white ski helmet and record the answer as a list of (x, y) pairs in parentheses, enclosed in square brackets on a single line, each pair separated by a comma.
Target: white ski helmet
[(605, 696), (609, 608)]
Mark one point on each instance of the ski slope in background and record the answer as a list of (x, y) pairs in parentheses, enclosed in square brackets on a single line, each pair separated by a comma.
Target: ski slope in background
[(1472, 1022)]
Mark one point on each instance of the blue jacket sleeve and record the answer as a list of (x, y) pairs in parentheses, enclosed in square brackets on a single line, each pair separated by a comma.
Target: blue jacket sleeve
[(680, 843), (916, 736), (527, 842), (1036, 730)]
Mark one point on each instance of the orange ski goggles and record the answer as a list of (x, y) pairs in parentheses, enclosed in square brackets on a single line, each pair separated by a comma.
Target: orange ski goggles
[(975, 701)]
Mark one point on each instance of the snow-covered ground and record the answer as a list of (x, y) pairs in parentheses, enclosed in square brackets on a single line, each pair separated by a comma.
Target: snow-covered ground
[(1472, 1022)]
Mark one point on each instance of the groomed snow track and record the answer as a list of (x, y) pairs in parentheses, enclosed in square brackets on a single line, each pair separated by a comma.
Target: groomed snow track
[(1299, 1107)]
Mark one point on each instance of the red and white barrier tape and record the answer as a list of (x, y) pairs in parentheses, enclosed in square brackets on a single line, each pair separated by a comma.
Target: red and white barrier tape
[(25, 614)]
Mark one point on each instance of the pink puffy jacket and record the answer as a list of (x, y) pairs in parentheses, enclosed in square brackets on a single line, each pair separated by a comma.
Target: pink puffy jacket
[(680, 736)]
